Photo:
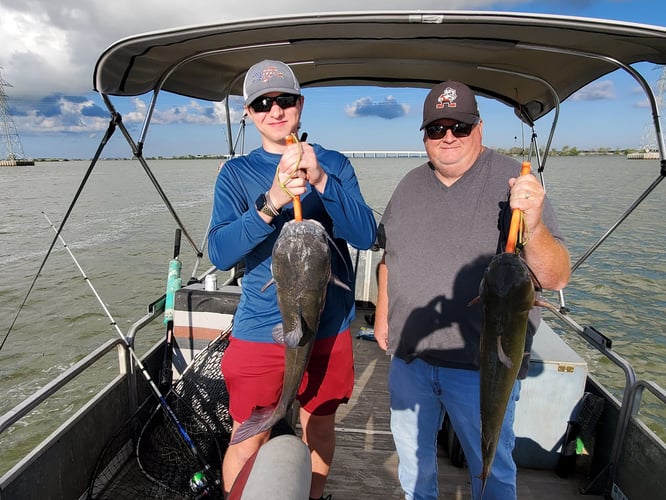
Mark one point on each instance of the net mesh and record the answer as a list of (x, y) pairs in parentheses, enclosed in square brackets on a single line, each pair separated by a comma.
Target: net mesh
[(148, 457)]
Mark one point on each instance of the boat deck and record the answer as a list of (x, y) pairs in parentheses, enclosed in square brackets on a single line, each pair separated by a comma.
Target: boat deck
[(365, 463)]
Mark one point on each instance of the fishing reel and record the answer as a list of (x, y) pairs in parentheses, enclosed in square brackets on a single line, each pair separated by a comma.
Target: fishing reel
[(205, 485), (198, 482), (202, 488)]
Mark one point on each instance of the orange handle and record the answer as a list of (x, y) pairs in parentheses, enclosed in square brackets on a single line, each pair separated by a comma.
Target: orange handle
[(514, 227), (298, 211)]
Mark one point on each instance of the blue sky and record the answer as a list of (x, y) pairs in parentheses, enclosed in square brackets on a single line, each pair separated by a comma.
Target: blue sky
[(49, 52)]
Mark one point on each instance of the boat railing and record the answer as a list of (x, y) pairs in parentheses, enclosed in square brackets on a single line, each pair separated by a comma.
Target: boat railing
[(155, 309), (125, 361), (37, 398), (632, 392), (635, 396), (636, 393)]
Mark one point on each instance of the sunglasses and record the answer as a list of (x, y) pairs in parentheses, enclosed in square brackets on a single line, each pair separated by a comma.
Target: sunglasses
[(264, 104), (458, 129)]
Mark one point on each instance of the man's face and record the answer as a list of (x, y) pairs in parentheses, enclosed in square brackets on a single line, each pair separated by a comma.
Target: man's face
[(452, 146), (275, 115)]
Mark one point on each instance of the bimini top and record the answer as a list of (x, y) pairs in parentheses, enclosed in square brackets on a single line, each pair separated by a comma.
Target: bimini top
[(527, 61)]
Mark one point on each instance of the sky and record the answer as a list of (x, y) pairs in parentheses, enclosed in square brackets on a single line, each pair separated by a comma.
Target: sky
[(48, 51)]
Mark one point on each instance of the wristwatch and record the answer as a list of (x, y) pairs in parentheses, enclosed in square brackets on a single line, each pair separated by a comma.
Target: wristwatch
[(265, 206)]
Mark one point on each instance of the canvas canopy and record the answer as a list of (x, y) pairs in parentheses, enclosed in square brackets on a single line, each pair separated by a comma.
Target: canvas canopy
[(527, 61)]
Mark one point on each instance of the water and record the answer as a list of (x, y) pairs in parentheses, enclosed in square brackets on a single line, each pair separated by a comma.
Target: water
[(122, 236)]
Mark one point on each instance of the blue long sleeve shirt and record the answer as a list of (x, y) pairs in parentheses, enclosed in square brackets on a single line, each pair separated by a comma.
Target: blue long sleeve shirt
[(238, 232)]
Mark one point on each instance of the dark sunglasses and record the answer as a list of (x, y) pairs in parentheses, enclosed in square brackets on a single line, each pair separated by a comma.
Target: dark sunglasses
[(458, 129), (264, 104)]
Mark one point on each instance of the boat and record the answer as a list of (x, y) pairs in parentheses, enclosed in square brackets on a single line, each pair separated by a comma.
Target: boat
[(529, 62)]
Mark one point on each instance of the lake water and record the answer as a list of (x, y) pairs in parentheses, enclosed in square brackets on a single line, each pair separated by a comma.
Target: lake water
[(122, 236)]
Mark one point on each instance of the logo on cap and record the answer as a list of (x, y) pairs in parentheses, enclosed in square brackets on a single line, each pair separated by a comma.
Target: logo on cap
[(447, 98), (268, 73)]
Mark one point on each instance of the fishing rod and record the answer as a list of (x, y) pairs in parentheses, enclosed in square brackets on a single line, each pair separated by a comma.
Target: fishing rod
[(174, 283), (203, 487), (115, 119)]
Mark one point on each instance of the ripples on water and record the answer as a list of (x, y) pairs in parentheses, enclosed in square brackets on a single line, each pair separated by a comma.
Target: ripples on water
[(123, 238)]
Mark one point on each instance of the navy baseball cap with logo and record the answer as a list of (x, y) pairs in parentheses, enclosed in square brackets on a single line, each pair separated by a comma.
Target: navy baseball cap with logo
[(452, 100), (269, 76)]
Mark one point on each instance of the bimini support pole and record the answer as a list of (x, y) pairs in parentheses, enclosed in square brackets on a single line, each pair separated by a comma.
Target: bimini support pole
[(525, 118), (138, 153), (115, 120)]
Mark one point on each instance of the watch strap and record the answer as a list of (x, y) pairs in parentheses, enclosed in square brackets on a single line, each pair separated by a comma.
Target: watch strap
[(265, 205)]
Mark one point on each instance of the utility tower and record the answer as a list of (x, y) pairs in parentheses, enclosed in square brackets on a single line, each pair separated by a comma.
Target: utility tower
[(649, 141), (11, 153)]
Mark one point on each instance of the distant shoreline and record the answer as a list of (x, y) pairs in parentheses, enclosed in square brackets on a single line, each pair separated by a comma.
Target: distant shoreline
[(516, 152)]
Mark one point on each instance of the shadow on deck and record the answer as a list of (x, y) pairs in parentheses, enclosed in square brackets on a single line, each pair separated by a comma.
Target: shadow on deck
[(365, 463)]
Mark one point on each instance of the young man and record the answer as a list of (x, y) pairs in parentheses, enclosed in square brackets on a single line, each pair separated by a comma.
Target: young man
[(250, 208), (440, 230)]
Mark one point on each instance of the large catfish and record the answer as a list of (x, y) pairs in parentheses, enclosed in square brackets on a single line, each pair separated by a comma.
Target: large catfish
[(301, 272), (507, 295)]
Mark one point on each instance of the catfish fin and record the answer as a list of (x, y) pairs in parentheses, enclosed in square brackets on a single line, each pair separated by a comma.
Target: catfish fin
[(546, 304), (338, 282), (269, 283), (261, 420), (278, 334), (504, 359), (293, 338)]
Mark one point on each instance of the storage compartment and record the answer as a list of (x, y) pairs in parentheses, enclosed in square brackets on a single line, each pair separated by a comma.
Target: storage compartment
[(549, 397), (199, 317)]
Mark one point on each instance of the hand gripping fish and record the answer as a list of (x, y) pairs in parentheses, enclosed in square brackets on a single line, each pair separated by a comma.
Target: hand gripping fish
[(301, 272)]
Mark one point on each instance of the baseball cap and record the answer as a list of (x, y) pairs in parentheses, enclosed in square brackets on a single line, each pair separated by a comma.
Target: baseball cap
[(452, 100), (269, 76)]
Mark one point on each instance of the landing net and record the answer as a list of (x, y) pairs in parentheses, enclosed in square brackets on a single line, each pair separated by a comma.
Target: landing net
[(147, 458)]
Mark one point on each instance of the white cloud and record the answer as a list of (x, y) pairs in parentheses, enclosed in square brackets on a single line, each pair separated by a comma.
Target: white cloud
[(597, 91), (49, 50), (389, 108), (51, 47)]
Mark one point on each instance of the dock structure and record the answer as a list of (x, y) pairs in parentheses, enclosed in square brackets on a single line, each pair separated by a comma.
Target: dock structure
[(16, 163), (643, 155), (384, 154)]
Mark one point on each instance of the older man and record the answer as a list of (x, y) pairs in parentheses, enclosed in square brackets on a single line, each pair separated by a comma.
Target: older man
[(440, 230)]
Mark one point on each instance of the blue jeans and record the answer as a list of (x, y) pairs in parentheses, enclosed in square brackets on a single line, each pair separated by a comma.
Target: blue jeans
[(420, 394)]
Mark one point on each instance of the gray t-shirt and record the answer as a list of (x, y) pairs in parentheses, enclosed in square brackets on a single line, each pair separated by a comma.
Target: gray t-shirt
[(438, 242)]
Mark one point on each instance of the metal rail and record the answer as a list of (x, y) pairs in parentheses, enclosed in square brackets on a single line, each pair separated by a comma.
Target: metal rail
[(29, 404), (637, 393), (631, 399), (126, 366)]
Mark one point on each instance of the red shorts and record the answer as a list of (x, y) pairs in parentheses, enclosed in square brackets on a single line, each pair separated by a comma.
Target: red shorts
[(253, 373)]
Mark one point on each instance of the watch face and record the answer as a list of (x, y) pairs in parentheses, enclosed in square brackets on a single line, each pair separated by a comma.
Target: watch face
[(261, 202), (263, 207)]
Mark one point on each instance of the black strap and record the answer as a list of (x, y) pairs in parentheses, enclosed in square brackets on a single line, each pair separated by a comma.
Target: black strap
[(503, 223)]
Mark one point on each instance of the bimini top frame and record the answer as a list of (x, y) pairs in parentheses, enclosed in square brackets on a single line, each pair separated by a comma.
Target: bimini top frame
[(527, 61)]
